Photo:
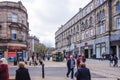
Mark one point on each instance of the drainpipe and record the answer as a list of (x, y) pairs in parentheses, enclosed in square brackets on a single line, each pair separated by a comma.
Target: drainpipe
[(110, 23)]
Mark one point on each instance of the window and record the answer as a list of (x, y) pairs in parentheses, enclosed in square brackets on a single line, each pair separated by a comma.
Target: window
[(100, 49), (14, 17), (90, 21), (87, 35), (118, 23), (77, 28), (14, 34), (101, 15), (86, 24), (91, 32), (82, 26), (118, 6), (97, 2), (23, 20), (101, 28), (23, 35), (82, 35)]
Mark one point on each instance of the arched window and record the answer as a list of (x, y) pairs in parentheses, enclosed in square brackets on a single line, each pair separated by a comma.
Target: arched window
[(118, 6), (90, 21), (82, 26), (86, 23)]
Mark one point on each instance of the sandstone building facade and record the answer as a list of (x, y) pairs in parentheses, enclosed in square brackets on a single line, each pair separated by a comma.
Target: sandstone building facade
[(94, 30), (14, 30)]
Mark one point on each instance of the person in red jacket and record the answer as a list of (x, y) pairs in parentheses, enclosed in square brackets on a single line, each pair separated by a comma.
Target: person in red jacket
[(4, 74)]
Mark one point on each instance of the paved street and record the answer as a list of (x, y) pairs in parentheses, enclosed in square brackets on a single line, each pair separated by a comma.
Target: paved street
[(100, 70)]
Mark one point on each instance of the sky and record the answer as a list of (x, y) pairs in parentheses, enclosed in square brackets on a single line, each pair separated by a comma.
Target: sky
[(46, 16)]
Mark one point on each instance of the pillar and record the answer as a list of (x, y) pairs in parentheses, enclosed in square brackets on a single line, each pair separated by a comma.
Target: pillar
[(117, 50)]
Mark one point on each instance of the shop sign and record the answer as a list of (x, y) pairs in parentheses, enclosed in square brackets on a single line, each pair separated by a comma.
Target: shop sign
[(86, 47), (15, 47), (12, 54)]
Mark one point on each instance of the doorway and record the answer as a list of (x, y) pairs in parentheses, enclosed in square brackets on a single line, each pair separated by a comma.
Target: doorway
[(86, 53)]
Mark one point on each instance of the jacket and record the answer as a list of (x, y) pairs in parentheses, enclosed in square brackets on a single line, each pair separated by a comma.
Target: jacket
[(83, 73), (22, 74), (4, 74)]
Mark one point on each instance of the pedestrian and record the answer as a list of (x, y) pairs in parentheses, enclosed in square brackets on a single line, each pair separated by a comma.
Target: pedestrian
[(79, 59), (30, 61), (111, 60), (115, 59), (70, 66), (4, 74), (82, 72), (22, 72)]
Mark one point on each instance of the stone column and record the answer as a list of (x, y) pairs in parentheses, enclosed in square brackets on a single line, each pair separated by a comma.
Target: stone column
[(89, 54), (117, 50)]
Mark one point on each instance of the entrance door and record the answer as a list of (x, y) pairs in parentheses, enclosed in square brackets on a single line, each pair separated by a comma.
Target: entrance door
[(86, 53), (113, 50)]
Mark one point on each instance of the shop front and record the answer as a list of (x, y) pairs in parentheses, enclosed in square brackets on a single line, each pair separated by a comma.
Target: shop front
[(16, 52), (87, 51)]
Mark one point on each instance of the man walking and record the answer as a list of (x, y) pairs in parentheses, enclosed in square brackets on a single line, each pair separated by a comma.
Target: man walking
[(70, 66)]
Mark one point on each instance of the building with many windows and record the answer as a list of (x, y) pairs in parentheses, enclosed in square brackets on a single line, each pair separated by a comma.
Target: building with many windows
[(14, 29), (94, 30)]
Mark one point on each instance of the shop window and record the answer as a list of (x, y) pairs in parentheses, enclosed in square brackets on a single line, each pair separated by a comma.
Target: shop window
[(100, 49)]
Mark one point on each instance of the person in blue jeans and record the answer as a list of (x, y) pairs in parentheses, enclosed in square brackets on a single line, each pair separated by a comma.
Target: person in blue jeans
[(70, 66)]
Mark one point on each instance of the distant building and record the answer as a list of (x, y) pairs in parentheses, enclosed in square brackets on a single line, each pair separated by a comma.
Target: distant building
[(94, 30), (14, 28), (32, 40)]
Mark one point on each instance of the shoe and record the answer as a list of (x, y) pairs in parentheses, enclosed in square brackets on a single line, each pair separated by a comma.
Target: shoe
[(67, 76)]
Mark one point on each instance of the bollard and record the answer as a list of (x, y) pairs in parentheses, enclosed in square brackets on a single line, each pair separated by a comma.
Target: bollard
[(43, 74)]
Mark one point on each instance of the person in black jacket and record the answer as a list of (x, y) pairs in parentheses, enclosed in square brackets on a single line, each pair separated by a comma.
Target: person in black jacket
[(22, 72), (70, 66), (83, 73)]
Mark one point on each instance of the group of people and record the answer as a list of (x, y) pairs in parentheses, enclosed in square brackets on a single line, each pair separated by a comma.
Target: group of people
[(21, 73), (82, 73), (113, 61)]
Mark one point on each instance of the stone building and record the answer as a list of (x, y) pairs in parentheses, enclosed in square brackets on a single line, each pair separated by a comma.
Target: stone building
[(94, 30), (32, 41), (14, 28)]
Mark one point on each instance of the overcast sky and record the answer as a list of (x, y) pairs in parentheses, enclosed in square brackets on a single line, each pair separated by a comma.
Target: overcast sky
[(46, 16)]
